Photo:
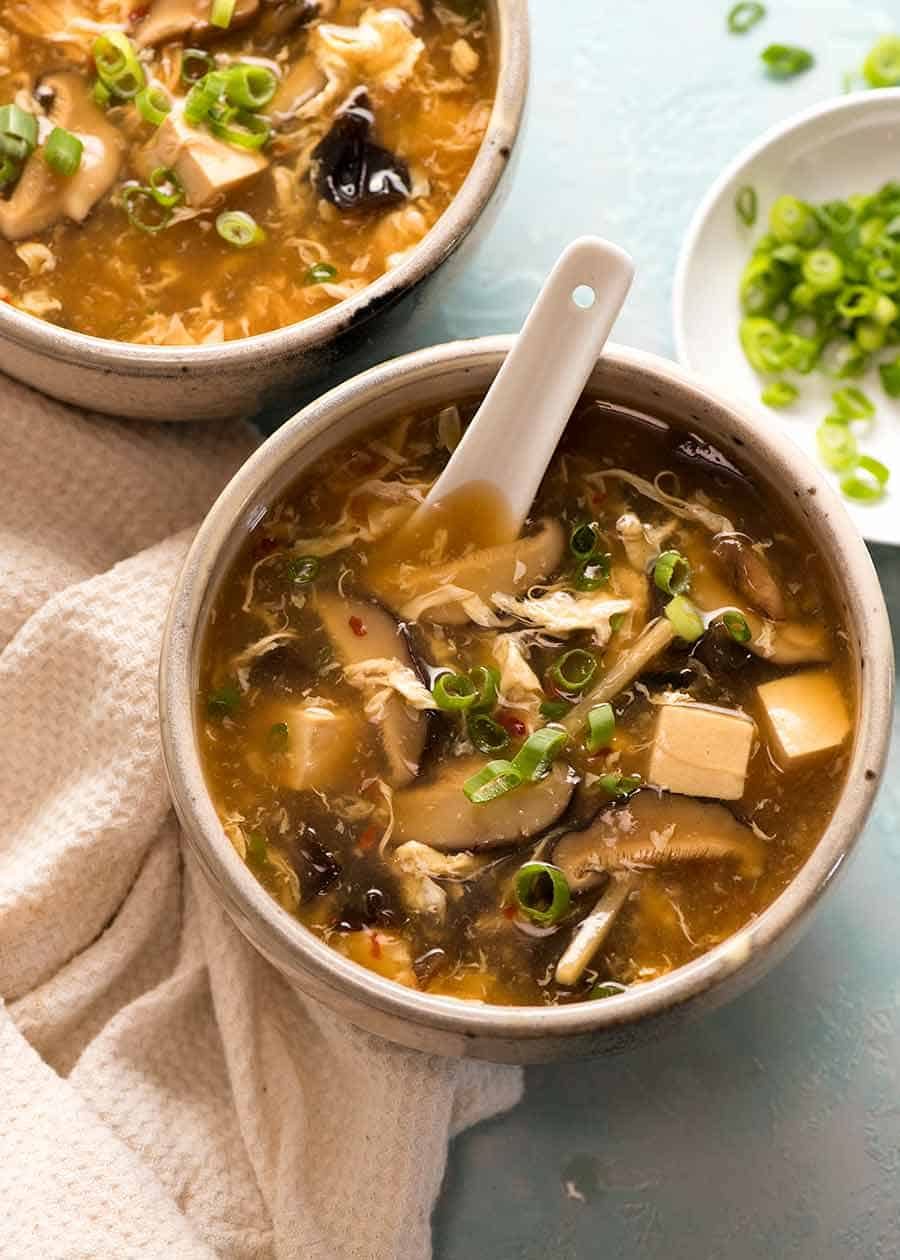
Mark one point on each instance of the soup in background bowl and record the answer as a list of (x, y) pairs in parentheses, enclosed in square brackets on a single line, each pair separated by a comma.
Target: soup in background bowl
[(571, 781), (192, 179)]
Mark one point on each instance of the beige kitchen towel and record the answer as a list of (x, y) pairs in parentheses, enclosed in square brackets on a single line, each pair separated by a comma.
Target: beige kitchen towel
[(163, 1092)]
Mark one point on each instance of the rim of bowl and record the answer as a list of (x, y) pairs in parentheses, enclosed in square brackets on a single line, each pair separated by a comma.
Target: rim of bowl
[(884, 100), (293, 947), (512, 38)]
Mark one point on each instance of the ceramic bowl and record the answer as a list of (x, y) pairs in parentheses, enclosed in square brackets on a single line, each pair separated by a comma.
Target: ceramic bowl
[(445, 1025), (246, 376)]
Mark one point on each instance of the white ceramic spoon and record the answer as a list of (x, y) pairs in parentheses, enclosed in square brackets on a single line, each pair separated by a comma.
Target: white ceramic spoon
[(515, 431)]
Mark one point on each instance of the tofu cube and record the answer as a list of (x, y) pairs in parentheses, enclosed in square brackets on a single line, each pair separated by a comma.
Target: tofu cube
[(701, 750), (806, 713), (321, 743), (206, 166)]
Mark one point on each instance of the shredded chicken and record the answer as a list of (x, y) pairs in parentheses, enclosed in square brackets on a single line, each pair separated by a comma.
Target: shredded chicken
[(472, 605), (380, 49), (520, 686), (642, 543), (715, 522), (415, 858)]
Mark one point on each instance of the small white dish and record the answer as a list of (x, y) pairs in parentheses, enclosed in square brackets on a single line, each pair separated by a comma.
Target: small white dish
[(846, 145)]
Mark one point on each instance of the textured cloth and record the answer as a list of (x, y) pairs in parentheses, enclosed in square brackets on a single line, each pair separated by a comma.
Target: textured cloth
[(163, 1091)]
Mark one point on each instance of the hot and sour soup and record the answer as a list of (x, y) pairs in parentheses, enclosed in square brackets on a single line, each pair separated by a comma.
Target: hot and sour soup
[(169, 180), (526, 773)]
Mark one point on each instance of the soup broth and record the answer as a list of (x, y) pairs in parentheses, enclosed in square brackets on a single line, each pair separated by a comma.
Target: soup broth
[(372, 114), (528, 773)]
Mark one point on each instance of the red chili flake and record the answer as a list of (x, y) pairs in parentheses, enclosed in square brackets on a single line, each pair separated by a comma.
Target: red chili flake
[(138, 15), (510, 723), (358, 626), (509, 912), (597, 496), (375, 945), (368, 838)]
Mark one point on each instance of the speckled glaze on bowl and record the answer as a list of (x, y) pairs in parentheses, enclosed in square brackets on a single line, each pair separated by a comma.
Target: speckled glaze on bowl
[(445, 1025), (244, 377)]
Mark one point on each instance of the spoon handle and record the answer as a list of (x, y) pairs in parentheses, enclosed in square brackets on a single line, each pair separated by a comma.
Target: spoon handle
[(511, 439)]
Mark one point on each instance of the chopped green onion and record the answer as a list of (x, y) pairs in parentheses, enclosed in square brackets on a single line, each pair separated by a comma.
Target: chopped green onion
[(454, 693), (63, 151), (224, 701), (672, 573), (601, 727), (883, 275), (303, 569), (853, 404), (486, 679), (783, 61), (203, 97), (166, 187), (767, 348), (793, 222), (257, 849), (320, 273), (240, 128), (153, 105), (10, 170), (496, 779), (221, 13), (554, 709), (535, 757), (890, 378), (487, 735), (250, 87), (856, 301), (763, 282), (593, 572), (867, 481), (18, 132), (746, 205), (278, 738), (686, 621), (882, 66), (117, 65), (573, 670), (101, 93), (239, 229), (607, 990), (618, 785), (195, 64), (744, 16), (585, 540), (869, 336), (736, 624), (780, 394), (542, 893), (143, 210), (837, 445), (823, 270)]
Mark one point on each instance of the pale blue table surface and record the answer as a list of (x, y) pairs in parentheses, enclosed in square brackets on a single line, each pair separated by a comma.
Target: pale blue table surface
[(772, 1128)]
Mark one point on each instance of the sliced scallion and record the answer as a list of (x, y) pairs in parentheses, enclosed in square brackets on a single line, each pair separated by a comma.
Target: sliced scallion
[(572, 671), (63, 152), (249, 86), (593, 572), (881, 67), (746, 205), (221, 13), (487, 735), (601, 722), (496, 779), (672, 573), (744, 16), (686, 621), (618, 785), (195, 63), (239, 229), (780, 394), (143, 210), (851, 403), (165, 186), (890, 378), (153, 105), (542, 893), (303, 569), (18, 132), (320, 273), (736, 624), (554, 710), (837, 445), (585, 540), (535, 757), (240, 127), (203, 97), (10, 170), (454, 693), (486, 680), (867, 481), (117, 65), (784, 61)]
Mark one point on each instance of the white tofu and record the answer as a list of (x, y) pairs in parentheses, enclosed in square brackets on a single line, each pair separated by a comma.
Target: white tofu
[(701, 750), (806, 712), (320, 745), (207, 167)]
